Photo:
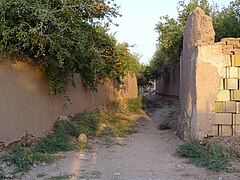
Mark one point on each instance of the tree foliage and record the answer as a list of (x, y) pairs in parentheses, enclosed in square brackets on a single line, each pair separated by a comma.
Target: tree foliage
[(227, 21), (170, 33), (65, 37)]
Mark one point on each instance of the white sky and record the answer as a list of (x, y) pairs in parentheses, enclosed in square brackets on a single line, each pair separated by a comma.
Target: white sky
[(137, 24)]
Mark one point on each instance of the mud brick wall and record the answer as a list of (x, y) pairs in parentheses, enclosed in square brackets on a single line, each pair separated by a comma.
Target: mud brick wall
[(209, 81), (171, 85), (27, 107), (226, 119)]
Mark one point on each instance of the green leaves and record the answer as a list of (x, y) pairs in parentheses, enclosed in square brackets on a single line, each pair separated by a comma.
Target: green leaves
[(66, 37), (170, 30), (226, 22)]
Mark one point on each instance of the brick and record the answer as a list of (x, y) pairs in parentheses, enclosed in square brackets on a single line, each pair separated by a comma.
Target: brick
[(224, 95), (225, 130), (235, 95), (236, 119), (222, 118), (235, 60), (224, 71), (232, 72), (229, 41), (236, 51), (238, 107), (222, 85), (231, 83), (220, 106), (214, 131), (236, 45), (228, 49), (236, 130), (227, 61), (230, 107)]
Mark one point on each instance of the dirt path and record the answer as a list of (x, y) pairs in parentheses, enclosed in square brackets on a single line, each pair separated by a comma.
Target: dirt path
[(148, 154)]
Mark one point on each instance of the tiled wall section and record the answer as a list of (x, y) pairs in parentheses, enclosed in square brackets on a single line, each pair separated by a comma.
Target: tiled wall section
[(227, 107)]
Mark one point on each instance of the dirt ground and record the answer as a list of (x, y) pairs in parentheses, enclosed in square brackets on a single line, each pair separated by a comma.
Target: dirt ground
[(148, 154)]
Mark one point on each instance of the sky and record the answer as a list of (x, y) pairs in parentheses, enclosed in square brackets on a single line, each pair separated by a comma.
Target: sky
[(138, 21)]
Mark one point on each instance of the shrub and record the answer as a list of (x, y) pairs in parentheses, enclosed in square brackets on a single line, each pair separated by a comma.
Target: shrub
[(209, 155), (25, 158), (134, 104)]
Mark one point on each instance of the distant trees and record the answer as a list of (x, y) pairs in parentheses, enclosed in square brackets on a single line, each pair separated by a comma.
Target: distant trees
[(227, 21), (170, 30)]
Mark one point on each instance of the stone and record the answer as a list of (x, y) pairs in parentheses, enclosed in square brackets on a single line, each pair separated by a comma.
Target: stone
[(231, 84), (225, 130), (82, 138), (219, 106), (238, 107), (222, 118), (235, 60), (223, 95), (63, 118), (232, 72), (236, 119), (236, 130), (230, 106), (235, 95)]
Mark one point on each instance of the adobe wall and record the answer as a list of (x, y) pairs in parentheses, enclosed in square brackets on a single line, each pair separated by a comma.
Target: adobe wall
[(171, 85), (27, 107), (209, 81)]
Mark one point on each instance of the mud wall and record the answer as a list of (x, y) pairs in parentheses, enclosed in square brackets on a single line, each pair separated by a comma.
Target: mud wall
[(209, 81), (27, 107), (171, 85)]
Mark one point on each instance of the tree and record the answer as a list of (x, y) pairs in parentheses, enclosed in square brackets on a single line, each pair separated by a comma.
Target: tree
[(64, 36), (227, 21), (170, 40)]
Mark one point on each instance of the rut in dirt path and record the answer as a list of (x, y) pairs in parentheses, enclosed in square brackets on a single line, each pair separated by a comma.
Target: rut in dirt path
[(148, 154)]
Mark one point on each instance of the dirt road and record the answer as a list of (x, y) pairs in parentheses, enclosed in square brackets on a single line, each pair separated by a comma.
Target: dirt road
[(148, 154)]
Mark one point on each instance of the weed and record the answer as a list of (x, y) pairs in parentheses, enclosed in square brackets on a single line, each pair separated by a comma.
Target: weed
[(61, 177), (113, 125), (207, 155), (116, 105), (1, 176), (134, 104), (164, 126), (40, 175), (25, 158), (54, 143), (64, 137), (87, 121), (82, 146), (109, 141)]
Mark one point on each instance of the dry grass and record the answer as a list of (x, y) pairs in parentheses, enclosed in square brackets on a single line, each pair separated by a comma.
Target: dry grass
[(230, 144)]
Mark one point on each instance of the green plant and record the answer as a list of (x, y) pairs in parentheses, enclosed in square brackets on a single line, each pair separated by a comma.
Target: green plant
[(81, 146), (53, 143), (1, 176), (66, 38), (25, 158), (114, 125), (87, 122), (40, 175), (210, 156), (64, 136), (134, 104), (164, 125), (61, 177)]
